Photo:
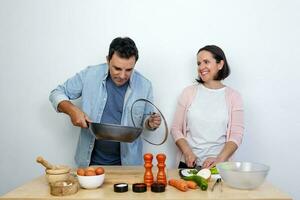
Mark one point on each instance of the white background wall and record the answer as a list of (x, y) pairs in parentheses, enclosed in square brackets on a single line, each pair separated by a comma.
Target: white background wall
[(42, 43)]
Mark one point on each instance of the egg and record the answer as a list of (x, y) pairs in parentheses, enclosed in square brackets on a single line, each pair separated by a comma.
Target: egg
[(80, 172), (99, 170), (90, 173), (90, 169)]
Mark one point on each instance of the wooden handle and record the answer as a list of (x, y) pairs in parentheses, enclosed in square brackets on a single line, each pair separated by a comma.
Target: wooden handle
[(44, 162)]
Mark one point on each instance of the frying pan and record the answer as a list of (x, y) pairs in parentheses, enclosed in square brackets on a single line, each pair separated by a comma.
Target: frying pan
[(120, 133), (114, 132)]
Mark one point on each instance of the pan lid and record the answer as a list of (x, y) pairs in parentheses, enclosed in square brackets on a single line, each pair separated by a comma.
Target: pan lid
[(154, 110)]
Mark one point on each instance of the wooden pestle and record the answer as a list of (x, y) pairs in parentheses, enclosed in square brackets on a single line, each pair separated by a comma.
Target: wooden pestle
[(45, 163)]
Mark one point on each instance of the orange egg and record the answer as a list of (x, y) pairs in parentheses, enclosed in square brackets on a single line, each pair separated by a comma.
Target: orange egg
[(99, 170), (80, 172), (90, 169), (90, 173)]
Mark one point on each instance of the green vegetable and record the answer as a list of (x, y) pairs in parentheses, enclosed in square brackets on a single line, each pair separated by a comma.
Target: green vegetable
[(201, 182), (193, 171), (214, 170), (187, 172)]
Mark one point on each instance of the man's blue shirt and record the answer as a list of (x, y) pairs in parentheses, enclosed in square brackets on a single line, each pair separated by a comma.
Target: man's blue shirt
[(108, 152), (90, 85)]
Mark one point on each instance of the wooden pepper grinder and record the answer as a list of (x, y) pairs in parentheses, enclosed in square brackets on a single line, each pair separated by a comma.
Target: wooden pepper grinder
[(148, 176), (161, 174)]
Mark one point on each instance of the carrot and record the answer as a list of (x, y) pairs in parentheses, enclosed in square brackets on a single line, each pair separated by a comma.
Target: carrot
[(191, 184), (179, 184)]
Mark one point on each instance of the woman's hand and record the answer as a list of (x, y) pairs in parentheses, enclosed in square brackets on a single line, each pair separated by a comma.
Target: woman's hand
[(210, 162), (229, 148), (190, 158)]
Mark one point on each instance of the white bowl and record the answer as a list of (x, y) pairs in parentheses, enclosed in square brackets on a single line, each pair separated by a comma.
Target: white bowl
[(243, 175), (91, 182)]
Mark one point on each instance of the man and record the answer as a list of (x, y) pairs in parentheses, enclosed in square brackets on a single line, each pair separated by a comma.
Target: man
[(108, 92)]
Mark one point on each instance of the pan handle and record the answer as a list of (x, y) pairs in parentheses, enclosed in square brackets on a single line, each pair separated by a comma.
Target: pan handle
[(162, 116)]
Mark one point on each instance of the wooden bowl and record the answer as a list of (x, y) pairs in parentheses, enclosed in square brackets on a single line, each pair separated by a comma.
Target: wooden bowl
[(59, 169), (62, 173), (63, 188)]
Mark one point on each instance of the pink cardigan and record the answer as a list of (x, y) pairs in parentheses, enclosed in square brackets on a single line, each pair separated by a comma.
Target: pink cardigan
[(235, 115)]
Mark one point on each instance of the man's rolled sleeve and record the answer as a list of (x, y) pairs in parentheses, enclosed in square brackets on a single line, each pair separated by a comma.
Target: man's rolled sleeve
[(70, 90), (56, 97)]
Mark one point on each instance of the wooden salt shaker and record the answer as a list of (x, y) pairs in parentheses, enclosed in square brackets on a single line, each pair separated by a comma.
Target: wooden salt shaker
[(148, 176), (161, 174)]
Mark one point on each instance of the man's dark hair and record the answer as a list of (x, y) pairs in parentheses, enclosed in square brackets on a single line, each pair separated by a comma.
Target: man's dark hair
[(124, 47), (218, 55)]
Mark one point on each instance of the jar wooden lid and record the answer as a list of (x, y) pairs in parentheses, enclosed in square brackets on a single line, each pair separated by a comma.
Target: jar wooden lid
[(158, 187), (120, 187), (139, 187)]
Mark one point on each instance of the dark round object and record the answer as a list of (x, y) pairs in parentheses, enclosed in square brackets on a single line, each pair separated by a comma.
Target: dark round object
[(158, 187), (121, 187), (139, 187), (115, 132)]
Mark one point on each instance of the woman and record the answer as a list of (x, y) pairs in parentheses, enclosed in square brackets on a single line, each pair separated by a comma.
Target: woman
[(208, 124)]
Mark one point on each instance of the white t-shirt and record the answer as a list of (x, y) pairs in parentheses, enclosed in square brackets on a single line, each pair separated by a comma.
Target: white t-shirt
[(207, 120)]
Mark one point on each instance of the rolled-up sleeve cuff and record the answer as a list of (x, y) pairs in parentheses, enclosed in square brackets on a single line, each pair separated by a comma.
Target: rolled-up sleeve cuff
[(177, 136), (237, 141), (57, 99)]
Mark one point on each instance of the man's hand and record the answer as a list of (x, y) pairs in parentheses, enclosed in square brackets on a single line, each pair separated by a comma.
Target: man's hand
[(153, 121), (78, 117)]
